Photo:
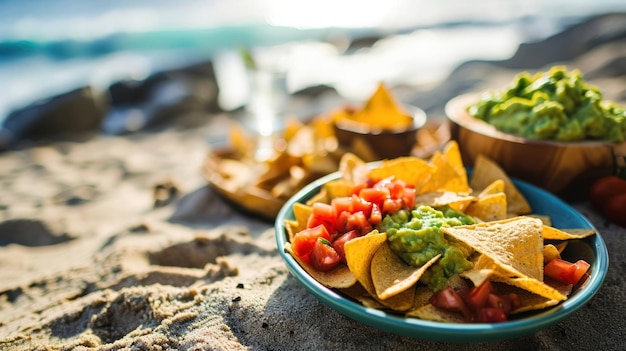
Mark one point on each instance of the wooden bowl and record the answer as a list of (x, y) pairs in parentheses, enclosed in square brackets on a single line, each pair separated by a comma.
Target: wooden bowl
[(384, 143), (558, 167)]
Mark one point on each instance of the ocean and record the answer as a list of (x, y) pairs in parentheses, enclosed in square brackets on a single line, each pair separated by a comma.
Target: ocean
[(49, 47)]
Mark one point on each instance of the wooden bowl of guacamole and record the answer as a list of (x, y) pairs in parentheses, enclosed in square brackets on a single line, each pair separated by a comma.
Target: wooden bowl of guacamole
[(559, 136)]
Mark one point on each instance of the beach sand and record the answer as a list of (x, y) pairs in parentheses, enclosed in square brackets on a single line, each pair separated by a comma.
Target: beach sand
[(118, 243)]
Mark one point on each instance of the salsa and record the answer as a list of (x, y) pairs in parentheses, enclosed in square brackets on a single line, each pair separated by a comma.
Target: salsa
[(554, 105), (416, 237)]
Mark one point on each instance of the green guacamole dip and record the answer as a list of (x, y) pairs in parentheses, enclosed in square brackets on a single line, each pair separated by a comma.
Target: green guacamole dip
[(416, 237), (554, 105)]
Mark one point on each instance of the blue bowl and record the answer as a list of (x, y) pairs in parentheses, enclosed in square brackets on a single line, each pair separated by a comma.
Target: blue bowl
[(592, 249)]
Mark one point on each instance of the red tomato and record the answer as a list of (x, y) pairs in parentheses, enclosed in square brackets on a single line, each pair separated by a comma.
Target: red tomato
[(376, 216), (408, 197), (565, 272), (605, 188), (361, 205), (615, 209), (375, 195), (490, 315), (323, 256), (392, 205), (581, 269), (323, 214), (357, 221), (449, 299), (342, 240), (477, 297), (341, 204), (303, 242), (497, 301)]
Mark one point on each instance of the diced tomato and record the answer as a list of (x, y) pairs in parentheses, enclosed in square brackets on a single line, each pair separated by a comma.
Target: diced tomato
[(303, 242), (341, 223), (322, 214), (392, 205), (342, 240), (361, 205), (449, 299), (582, 267), (565, 272), (341, 204), (408, 197), (358, 221), (490, 315), (376, 216), (323, 256), (375, 195), (497, 301), (513, 300), (477, 297)]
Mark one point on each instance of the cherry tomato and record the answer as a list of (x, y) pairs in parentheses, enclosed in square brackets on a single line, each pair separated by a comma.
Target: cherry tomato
[(323, 257), (615, 209), (566, 272), (605, 188)]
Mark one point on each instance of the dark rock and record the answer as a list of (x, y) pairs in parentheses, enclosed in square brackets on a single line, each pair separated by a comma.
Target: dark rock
[(75, 112), (184, 93), (569, 43)]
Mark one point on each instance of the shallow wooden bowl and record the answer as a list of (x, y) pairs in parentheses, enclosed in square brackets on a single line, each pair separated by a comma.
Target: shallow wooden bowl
[(555, 166)]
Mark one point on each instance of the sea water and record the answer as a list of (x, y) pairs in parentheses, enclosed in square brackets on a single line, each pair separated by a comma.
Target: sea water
[(51, 47)]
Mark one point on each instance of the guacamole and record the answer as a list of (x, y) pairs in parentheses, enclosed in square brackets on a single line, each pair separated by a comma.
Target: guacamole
[(416, 237), (554, 105)]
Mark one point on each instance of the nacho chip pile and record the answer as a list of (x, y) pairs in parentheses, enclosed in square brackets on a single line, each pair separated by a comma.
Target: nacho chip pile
[(301, 153), (507, 246)]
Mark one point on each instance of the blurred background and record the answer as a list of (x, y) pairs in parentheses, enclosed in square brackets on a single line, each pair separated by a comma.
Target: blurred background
[(49, 48)]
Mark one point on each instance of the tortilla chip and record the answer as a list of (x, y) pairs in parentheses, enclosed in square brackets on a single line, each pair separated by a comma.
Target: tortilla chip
[(551, 233), (338, 277), (302, 213), (292, 227), (453, 155), (382, 112), (550, 252), (338, 188), (358, 293), (411, 170), (546, 220), (528, 300), (445, 177), (422, 296), (483, 268), (497, 186), (515, 244), (391, 275), (486, 171), (432, 313), (359, 254), (532, 285), (489, 207), (352, 169), (445, 198)]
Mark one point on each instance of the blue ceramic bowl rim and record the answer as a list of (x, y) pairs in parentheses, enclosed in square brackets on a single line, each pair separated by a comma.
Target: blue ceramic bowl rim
[(451, 332)]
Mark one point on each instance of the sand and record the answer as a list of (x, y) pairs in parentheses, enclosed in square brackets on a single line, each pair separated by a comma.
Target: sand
[(118, 243)]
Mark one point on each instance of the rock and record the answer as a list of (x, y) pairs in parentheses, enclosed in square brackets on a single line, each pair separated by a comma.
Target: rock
[(76, 112), (187, 93)]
